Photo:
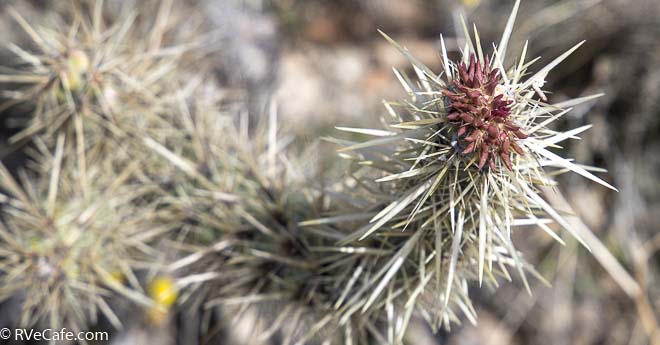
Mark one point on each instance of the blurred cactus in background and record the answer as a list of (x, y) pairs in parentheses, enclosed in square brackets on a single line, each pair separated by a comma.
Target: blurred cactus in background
[(69, 256), (160, 192), (84, 222), (241, 196), (99, 81)]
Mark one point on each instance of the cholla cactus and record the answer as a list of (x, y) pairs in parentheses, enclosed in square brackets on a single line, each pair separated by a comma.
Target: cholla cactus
[(67, 256), (241, 198), (90, 213), (463, 163), (99, 82)]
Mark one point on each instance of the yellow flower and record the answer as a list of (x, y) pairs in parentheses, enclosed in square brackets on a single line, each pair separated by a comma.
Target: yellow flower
[(163, 291)]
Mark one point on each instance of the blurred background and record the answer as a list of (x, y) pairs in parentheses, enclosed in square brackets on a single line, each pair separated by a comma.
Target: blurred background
[(326, 65)]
